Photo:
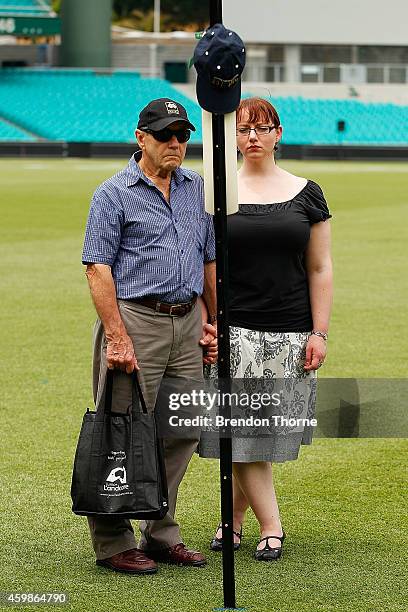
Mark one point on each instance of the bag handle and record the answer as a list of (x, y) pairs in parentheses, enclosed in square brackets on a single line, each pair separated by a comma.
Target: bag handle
[(109, 388), (136, 382)]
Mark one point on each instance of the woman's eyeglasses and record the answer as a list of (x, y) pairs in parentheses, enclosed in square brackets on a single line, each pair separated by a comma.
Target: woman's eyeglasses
[(260, 130), (167, 134)]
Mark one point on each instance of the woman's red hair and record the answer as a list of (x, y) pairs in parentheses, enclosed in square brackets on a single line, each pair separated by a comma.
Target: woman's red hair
[(258, 110)]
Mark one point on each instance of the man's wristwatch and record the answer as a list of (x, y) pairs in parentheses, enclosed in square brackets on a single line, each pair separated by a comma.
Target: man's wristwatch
[(320, 334)]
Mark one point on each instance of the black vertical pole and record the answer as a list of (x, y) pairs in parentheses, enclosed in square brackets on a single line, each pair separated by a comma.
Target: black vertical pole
[(215, 11), (220, 223)]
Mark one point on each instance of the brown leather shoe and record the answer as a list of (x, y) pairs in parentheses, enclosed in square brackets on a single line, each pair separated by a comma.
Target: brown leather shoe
[(131, 561), (178, 555)]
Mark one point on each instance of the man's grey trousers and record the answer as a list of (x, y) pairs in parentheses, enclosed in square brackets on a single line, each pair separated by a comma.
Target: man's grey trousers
[(164, 346)]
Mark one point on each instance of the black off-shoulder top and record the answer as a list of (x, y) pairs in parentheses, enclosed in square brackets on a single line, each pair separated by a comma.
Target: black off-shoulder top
[(268, 285)]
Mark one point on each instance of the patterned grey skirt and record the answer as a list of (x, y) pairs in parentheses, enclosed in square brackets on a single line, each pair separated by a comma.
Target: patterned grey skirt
[(269, 355)]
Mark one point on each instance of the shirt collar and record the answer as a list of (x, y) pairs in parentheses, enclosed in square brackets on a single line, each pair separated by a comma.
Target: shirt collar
[(135, 174)]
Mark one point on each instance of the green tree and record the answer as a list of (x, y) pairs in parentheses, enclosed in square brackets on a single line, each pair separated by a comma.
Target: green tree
[(125, 8), (186, 11), (174, 12)]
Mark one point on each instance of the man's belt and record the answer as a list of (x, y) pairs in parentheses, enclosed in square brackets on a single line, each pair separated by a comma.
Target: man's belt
[(174, 310)]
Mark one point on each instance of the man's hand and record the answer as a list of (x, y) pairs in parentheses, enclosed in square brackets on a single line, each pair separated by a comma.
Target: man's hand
[(209, 343), (119, 351), (121, 354)]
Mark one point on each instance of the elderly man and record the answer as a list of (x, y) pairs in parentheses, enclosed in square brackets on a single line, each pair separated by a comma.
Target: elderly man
[(149, 251)]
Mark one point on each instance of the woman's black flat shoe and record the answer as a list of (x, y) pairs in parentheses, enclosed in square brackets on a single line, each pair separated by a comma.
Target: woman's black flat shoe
[(216, 543), (268, 553)]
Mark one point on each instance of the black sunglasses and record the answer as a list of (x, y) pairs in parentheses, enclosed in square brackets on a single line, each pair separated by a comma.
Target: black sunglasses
[(166, 134)]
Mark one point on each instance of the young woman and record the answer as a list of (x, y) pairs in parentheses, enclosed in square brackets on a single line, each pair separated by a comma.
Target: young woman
[(280, 300)]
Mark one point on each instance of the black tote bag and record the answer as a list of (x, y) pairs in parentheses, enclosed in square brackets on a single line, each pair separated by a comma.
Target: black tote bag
[(119, 466)]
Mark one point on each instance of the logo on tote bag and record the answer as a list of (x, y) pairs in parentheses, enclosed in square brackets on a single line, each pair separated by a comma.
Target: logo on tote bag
[(116, 474), (116, 481)]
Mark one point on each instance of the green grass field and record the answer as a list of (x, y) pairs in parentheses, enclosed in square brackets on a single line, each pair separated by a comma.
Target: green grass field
[(343, 502)]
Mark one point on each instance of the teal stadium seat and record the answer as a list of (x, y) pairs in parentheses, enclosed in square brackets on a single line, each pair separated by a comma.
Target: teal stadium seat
[(314, 121), (25, 7), (82, 105), (10, 133), (73, 105)]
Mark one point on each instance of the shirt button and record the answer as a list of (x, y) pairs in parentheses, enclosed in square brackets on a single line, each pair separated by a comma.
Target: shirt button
[(175, 220), (182, 251)]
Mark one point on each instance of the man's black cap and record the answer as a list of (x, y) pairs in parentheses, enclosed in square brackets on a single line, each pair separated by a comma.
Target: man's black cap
[(161, 113), (219, 59)]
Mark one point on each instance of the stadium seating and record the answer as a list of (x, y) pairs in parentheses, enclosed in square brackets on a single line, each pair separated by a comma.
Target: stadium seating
[(314, 121), (25, 7), (83, 105), (9, 132)]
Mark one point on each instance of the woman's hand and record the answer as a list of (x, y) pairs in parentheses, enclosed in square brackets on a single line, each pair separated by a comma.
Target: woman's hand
[(316, 350), (209, 343)]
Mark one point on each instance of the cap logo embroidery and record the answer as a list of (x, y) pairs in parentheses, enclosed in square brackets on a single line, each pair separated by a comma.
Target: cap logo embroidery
[(224, 83), (172, 108)]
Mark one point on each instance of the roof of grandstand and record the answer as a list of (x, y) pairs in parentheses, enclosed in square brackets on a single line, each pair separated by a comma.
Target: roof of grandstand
[(26, 8)]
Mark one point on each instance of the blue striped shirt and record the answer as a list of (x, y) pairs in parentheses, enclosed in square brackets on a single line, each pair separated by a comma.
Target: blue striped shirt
[(154, 248)]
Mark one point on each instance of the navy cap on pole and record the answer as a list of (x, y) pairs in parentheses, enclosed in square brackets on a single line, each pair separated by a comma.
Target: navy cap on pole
[(219, 59)]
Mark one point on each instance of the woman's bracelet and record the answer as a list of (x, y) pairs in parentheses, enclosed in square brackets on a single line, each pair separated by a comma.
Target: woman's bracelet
[(320, 334)]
